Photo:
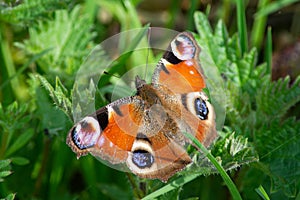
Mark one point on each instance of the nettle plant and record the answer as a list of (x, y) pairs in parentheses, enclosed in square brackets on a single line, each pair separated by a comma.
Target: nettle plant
[(258, 130)]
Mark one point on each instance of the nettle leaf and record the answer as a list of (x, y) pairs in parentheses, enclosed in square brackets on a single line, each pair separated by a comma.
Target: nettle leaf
[(29, 10), (225, 52), (234, 151), (13, 117), (5, 169), (246, 65), (215, 46), (68, 37), (19, 160), (4, 163), (275, 99), (13, 120), (5, 173), (59, 95), (10, 196), (83, 101), (255, 107), (231, 151), (278, 144)]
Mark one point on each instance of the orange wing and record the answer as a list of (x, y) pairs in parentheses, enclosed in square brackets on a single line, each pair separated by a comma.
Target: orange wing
[(180, 72), (110, 132), (179, 69)]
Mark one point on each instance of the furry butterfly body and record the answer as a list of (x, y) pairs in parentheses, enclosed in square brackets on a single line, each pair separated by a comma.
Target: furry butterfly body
[(145, 132)]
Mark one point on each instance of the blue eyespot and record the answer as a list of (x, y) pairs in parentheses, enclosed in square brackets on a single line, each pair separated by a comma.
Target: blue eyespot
[(142, 159), (201, 108)]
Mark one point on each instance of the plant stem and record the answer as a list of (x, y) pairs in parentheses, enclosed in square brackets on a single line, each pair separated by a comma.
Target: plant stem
[(8, 63), (137, 192)]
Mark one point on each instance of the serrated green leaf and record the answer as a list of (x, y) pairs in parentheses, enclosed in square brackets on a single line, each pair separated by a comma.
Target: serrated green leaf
[(19, 160), (20, 142), (69, 38), (29, 10), (10, 196), (58, 95), (217, 164), (5, 173), (4, 163), (275, 99), (278, 145), (247, 66)]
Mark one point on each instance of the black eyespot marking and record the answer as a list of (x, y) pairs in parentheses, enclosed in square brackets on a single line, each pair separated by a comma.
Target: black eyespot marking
[(142, 159), (85, 133), (201, 108), (162, 66), (102, 117), (117, 110), (171, 58), (141, 136), (78, 141)]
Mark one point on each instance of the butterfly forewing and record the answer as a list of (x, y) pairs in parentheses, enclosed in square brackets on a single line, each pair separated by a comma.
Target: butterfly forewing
[(144, 133)]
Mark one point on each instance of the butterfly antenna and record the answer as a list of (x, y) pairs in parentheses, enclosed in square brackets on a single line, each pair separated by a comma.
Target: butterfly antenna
[(110, 74), (148, 52)]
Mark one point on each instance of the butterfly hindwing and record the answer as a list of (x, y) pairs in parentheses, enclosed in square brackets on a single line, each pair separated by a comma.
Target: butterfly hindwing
[(110, 132), (145, 132), (180, 72)]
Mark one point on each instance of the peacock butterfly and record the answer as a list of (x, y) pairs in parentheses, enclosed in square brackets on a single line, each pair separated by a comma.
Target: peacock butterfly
[(145, 131)]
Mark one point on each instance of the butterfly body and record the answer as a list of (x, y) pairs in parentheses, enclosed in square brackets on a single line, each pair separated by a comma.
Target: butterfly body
[(145, 131)]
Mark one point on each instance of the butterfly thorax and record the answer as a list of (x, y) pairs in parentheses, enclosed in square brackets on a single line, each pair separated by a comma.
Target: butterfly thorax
[(147, 92), (145, 131), (158, 94)]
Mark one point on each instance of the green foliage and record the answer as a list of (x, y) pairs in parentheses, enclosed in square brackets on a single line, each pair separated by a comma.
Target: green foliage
[(3, 171), (15, 134), (257, 107), (59, 95), (12, 120), (261, 191), (67, 37), (60, 37), (273, 7), (28, 10)]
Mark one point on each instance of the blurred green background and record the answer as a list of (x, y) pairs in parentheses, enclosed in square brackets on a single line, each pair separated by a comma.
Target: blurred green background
[(44, 42)]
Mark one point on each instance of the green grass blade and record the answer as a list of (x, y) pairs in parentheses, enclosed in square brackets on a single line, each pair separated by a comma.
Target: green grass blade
[(273, 7), (171, 186), (24, 67), (191, 11), (242, 25), (259, 25), (268, 51), (261, 191), (8, 65)]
